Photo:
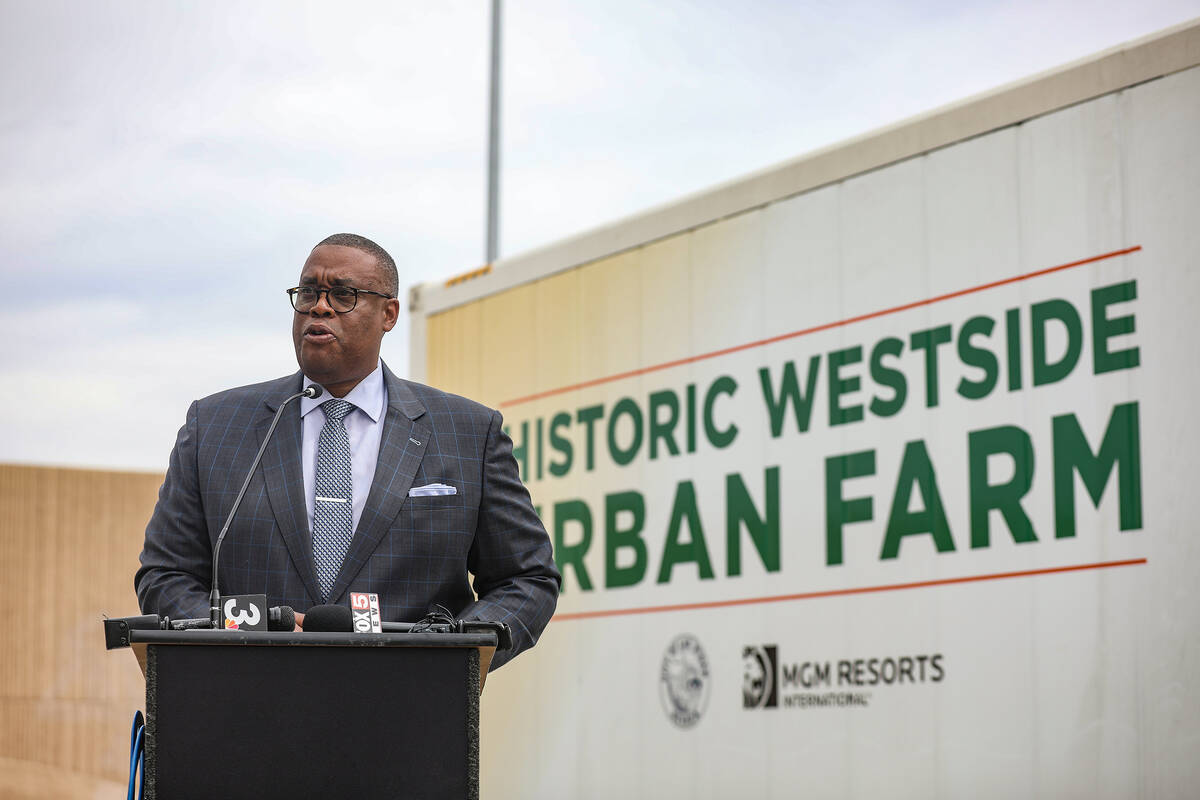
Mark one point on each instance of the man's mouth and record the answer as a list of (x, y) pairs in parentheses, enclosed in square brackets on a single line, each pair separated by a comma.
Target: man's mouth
[(318, 334)]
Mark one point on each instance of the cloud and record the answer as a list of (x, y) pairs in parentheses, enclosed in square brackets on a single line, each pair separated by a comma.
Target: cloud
[(674, 97), (166, 167)]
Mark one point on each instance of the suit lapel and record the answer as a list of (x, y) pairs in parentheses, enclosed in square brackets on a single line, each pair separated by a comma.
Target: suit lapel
[(284, 476), (406, 432)]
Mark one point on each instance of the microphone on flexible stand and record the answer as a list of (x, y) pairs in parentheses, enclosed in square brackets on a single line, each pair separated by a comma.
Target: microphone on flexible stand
[(214, 610), (279, 618)]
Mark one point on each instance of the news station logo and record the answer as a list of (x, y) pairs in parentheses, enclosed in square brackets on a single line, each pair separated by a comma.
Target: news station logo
[(244, 612), (684, 682), (760, 676), (364, 607)]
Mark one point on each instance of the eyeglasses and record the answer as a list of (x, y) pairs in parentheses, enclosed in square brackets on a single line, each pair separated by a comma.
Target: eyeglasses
[(341, 298)]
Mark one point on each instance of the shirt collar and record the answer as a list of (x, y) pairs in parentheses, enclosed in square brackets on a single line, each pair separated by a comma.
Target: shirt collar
[(368, 395)]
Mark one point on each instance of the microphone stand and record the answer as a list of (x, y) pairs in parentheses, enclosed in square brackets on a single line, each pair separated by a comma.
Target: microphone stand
[(214, 598)]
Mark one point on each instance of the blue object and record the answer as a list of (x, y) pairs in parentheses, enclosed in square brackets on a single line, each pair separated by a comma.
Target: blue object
[(137, 757)]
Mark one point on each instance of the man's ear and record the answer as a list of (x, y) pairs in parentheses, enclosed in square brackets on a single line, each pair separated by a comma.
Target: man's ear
[(391, 313)]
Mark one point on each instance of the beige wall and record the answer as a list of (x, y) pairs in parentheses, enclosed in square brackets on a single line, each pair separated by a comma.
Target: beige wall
[(69, 541), (1058, 678), (599, 319)]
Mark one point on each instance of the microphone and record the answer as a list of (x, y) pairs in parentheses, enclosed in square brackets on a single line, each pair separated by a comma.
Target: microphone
[(279, 618), (214, 598), (329, 619)]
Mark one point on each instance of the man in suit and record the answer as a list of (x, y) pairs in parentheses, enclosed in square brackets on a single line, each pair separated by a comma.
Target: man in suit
[(378, 485)]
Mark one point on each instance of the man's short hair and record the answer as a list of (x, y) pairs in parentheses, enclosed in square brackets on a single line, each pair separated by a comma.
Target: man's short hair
[(387, 267)]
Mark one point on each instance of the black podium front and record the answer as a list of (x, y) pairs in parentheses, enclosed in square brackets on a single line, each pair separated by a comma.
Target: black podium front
[(296, 715)]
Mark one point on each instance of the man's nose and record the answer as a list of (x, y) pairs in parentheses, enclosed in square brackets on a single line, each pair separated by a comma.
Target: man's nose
[(322, 308)]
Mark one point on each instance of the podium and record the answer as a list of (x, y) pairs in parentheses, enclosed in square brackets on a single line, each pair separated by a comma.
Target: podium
[(293, 715)]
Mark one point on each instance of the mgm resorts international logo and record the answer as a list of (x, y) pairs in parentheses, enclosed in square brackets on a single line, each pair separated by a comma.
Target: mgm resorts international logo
[(768, 683), (684, 681), (760, 670)]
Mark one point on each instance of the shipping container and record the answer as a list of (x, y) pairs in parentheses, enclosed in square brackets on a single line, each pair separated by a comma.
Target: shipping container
[(870, 474)]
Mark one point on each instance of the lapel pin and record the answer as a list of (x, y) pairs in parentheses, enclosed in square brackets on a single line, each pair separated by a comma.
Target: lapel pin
[(414, 441)]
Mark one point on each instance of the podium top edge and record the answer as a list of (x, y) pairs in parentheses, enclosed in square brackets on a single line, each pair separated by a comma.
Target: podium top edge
[(291, 639)]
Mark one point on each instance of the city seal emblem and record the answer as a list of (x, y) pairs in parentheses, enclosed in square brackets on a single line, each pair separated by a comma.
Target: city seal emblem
[(684, 682)]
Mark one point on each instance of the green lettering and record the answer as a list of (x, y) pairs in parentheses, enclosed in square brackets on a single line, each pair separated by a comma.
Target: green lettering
[(663, 430), (1120, 448), (916, 471), (888, 376), (789, 391), (572, 555), (521, 452), (616, 538), (1104, 328), (588, 417), (929, 341), (1003, 497), (540, 448), (719, 439), (977, 357), (691, 417), (695, 550), (1012, 331), (625, 406), (838, 510), (764, 530), (1041, 313), (839, 386), (562, 444)]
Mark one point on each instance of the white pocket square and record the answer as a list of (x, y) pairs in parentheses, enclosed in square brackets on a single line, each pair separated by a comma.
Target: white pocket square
[(432, 490)]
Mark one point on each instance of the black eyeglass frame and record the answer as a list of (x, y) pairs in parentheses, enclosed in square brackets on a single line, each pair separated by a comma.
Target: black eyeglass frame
[(295, 290)]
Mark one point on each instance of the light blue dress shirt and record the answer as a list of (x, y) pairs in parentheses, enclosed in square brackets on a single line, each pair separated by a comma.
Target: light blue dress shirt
[(364, 426)]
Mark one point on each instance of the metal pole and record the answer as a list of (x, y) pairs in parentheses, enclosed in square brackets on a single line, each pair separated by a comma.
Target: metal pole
[(493, 199)]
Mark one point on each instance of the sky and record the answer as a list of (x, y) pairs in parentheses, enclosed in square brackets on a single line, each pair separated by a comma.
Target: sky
[(167, 166)]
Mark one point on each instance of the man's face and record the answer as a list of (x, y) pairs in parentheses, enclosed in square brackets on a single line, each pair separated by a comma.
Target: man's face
[(339, 350)]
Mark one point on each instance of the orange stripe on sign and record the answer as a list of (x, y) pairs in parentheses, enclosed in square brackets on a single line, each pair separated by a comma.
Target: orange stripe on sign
[(893, 587), (815, 329)]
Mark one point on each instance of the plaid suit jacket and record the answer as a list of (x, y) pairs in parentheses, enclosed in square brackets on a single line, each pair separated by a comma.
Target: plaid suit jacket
[(412, 551)]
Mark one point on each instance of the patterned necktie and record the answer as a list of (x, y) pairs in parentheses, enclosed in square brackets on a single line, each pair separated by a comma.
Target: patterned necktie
[(333, 503)]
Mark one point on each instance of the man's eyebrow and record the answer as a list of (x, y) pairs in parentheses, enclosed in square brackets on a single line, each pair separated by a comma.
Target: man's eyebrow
[(311, 281)]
